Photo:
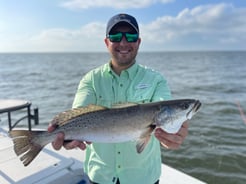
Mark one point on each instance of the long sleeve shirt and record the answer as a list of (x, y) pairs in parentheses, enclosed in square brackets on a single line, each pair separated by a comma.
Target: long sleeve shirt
[(105, 163)]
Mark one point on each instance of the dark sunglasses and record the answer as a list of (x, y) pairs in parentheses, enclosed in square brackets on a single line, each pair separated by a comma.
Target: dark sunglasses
[(117, 37)]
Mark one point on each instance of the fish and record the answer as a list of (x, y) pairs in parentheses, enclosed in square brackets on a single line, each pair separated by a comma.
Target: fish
[(121, 123)]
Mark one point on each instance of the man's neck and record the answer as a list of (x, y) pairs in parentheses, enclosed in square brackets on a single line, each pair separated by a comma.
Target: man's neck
[(118, 68)]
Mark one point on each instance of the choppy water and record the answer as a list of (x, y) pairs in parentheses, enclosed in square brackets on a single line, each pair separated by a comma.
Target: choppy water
[(214, 151)]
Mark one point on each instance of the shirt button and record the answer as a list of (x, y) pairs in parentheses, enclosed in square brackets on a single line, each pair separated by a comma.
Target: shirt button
[(118, 152), (119, 166), (121, 85)]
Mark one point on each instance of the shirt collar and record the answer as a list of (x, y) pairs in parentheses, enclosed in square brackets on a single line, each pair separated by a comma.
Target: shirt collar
[(132, 71)]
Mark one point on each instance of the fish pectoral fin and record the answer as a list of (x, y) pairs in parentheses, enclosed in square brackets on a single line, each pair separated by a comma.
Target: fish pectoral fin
[(144, 138), (141, 144)]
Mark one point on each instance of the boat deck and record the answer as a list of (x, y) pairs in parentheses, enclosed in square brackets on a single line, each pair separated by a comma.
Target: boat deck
[(63, 167)]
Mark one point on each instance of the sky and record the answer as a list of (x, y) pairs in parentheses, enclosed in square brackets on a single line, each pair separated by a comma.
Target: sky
[(79, 25)]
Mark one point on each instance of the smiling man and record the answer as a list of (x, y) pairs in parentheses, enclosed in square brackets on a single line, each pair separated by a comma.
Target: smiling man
[(122, 40), (122, 80)]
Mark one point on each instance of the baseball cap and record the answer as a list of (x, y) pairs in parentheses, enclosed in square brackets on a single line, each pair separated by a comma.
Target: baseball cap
[(122, 18)]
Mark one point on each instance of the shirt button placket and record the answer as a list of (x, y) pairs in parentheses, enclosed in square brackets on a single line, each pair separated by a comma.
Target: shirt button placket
[(121, 96), (119, 158), (122, 87), (119, 165)]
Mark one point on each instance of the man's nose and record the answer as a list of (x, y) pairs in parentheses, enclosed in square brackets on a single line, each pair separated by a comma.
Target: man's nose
[(123, 40)]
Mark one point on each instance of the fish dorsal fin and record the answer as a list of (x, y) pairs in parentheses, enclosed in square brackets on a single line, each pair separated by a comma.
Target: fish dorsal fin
[(63, 117), (123, 105)]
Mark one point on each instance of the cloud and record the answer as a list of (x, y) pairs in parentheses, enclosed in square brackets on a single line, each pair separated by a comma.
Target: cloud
[(203, 26), (85, 4), (87, 38), (218, 27)]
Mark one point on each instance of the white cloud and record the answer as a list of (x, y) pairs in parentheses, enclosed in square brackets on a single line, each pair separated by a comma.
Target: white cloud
[(220, 26), (87, 38), (84, 4), (210, 24)]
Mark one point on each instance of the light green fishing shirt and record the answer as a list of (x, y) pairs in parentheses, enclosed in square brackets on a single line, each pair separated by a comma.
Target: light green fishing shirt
[(105, 163)]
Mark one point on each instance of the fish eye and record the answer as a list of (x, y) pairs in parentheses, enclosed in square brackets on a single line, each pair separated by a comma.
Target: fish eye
[(184, 106)]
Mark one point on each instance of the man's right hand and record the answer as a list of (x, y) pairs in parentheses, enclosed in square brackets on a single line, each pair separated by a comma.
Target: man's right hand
[(59, 141)]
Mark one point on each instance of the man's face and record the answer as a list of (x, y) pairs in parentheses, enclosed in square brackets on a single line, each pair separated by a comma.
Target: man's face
[(123, 53)]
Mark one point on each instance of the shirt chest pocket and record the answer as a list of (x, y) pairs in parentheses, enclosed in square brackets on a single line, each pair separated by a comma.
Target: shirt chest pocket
[(141, 93), (104, 95)]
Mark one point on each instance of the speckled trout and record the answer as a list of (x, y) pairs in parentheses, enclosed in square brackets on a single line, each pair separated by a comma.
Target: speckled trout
[(131, 122)]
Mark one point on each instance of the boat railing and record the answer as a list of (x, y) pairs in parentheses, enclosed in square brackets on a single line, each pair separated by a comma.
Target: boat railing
[(10, 106)]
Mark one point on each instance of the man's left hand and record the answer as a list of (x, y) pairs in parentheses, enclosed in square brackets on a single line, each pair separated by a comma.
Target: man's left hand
[(172, 141)]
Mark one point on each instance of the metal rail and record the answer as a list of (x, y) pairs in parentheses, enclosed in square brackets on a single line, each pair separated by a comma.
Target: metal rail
[(9, 106)]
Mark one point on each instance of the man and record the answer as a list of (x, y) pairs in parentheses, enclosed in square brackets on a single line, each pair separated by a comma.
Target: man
[(123, 80)]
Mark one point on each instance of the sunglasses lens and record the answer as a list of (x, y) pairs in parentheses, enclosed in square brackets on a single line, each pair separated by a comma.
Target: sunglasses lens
[(115, 37), (130, 37)]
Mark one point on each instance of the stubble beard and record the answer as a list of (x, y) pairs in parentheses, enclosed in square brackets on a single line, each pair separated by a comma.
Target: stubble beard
[(125, 60)]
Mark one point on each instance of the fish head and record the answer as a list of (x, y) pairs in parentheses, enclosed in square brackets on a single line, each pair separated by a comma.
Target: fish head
[(173, 113)]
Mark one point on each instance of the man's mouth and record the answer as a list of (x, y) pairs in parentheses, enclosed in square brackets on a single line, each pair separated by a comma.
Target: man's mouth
[(124, 51)]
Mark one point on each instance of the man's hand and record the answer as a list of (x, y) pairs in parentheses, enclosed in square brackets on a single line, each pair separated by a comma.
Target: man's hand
[(172, 141), (59, 141)]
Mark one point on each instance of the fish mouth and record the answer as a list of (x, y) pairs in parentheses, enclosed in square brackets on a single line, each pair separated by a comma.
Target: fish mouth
[(197, 106), (194, 109)]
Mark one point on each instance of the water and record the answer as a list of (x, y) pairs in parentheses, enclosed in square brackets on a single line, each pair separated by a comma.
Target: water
[(214, 151)]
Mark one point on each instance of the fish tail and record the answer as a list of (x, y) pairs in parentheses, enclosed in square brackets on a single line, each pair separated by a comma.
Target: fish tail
[(144, 138), (26, 144)]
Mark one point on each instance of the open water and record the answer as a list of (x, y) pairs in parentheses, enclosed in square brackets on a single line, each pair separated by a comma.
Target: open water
[(214, 151)]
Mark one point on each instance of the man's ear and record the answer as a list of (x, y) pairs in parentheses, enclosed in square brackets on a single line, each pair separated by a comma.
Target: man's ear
[(139, 41), (106, 41)]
